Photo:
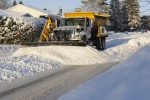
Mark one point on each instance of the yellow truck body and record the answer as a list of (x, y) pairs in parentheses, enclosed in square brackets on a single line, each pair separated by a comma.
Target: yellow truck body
[(91, 15), (101, 18)]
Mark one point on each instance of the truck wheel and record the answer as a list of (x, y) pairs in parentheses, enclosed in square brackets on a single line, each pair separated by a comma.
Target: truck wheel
[(103, 43), (84, 39)]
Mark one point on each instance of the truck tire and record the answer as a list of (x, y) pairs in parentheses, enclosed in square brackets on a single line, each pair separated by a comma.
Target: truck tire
[(102, 43), (84, 39)]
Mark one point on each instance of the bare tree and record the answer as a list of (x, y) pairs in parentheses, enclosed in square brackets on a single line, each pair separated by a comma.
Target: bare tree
[(4, 4)]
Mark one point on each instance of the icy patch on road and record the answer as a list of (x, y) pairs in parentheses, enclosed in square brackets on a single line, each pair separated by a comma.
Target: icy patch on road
[(17, 67)]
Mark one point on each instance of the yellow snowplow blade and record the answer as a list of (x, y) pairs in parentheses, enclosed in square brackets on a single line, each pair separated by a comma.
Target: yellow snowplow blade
[(51, 43), (47, 29)]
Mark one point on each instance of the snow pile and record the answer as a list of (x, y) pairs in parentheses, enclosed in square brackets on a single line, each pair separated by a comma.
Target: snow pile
[(139, 42), (17, 67), (121, 46), (118, 49), (128, 80), (67, 55), (8, 48), (15, 30)]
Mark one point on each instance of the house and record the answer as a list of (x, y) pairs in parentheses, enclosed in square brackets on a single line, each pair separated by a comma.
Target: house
[(24, 9)]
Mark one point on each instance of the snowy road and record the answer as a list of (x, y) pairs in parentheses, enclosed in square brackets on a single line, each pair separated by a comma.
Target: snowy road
[(55, 85)]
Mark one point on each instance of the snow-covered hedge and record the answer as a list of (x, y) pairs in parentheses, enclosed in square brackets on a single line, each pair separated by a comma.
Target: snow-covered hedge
[(15, 30)]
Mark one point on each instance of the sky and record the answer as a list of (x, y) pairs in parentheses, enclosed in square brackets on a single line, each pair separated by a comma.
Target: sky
[(145, 8), (70, 5), (54, 5)]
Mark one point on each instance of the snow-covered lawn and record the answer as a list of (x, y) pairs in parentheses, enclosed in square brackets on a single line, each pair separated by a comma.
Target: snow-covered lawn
[(19, 61), (129, 80)]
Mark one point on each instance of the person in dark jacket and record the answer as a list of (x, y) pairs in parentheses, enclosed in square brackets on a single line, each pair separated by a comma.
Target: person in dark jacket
[(95, 39)]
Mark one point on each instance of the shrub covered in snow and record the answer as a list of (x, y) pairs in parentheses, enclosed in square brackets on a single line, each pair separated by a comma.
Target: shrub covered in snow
[(15, 30)]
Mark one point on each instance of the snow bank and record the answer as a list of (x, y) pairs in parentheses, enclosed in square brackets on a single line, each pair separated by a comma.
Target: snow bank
[(16, 67), (128, 80), (139, 42), (8, 48), (120, 46), (15, 83), (67, 55)]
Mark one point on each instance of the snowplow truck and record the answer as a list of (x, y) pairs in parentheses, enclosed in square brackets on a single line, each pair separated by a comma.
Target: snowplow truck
[(75, 28)]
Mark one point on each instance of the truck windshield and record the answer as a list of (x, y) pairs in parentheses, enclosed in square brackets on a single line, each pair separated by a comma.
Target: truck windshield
[(73, 22)]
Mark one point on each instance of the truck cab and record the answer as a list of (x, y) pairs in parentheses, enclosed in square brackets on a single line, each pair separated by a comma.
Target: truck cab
[(75, 29)]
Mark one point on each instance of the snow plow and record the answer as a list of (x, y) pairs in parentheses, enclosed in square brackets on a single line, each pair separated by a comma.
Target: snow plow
[(74, 29)]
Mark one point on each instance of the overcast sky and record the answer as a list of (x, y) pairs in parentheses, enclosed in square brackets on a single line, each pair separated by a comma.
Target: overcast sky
[(69, 5)]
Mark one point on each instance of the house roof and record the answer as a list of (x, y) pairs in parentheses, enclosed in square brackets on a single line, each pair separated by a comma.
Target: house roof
[(43, 12), (28, 7), (12, 13)]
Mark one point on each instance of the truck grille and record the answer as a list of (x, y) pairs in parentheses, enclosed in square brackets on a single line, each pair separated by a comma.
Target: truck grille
[(62, 35)]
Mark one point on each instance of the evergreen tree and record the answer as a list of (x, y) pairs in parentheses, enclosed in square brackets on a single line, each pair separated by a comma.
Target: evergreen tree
[(116, 16), (133, 14), (145, 22), (124, 12), (14, 3), (96, 5), (21, 2)]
